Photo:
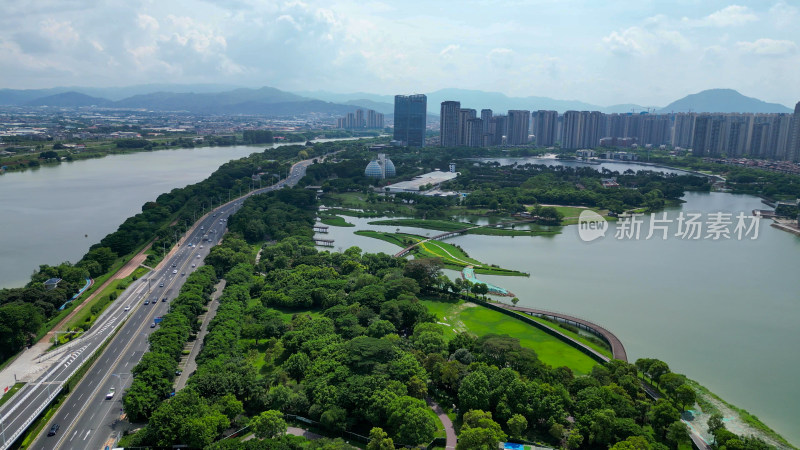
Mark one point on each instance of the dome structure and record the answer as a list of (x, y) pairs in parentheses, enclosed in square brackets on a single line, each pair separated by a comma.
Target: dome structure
[(380, 168), (374, 169), (388, 168)]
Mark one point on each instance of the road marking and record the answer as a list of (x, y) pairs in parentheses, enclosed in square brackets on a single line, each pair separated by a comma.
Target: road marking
[(87, 434), (81, 396), (73, 435)]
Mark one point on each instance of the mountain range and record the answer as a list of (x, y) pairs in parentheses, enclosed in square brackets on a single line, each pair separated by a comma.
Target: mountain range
[(225, 99)]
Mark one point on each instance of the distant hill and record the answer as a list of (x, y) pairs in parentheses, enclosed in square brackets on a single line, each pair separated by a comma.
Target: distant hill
[(69, 100), (723, 101), (218, 98), (381, 107), (208, 102)]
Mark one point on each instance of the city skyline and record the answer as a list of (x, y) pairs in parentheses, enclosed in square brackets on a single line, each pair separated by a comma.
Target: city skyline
[(618, 52)]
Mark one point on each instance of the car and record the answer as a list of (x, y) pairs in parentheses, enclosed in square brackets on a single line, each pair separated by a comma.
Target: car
[(153, 325), (53, 430), (183, 274), (160, 284), (175, 271), (174, 265), (178, 372), (127, 308), (193, 265), (201, 246), (110, 394), (164, 299), (198, 255), (147, 302), (155, 301)]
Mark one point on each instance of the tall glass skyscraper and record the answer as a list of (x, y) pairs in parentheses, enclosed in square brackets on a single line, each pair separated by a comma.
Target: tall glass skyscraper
[(410, 112)]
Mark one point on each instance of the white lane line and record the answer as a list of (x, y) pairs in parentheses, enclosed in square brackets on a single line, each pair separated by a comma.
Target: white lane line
[(87, 434), (81, 396), (73, 435)]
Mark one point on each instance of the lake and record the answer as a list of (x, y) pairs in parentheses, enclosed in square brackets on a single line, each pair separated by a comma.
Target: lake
[(723, 311), (55, 213)]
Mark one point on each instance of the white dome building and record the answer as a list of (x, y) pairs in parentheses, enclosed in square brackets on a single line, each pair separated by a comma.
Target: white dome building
[(380, 168)]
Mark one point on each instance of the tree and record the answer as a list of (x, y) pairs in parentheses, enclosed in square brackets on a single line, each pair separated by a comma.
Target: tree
[(474, 392), (685, 395), (657, 369), (677, 433), (662, 415), (379, 440), (517, 425), (715, 423), (515, 300), (268, 424), (424, 270), (479, 431), (633, 443), (480, 288)]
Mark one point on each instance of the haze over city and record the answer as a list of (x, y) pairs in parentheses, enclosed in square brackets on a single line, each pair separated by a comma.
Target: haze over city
[(647, 52)]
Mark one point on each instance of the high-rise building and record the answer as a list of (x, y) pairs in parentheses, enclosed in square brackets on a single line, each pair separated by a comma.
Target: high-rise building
[(794, 146), (486, 116), (518, 127), (409, 119), (572, 130), (360, 121), (448, 124), (463, 116), (545, 126), (702, 126), (498, 128), (682, 130), (474, 132), (374, 119)]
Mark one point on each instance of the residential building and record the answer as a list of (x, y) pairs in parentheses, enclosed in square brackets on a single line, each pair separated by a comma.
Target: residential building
[(448, 123), (518, 127)]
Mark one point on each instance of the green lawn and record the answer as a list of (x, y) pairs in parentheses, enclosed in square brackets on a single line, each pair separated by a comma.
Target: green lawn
[(452, 257), (334, 221), (481, 321), (580, 338), (11, 392), (450, 225)]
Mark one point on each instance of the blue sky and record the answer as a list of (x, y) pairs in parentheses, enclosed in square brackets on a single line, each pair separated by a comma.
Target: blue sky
[(602, 52)]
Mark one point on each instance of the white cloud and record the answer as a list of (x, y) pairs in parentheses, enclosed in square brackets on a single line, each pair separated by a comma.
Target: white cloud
[(733, 15), (502, 58), (638, 41), (147, 22), (768, 47), (784, 16), (448, 51)]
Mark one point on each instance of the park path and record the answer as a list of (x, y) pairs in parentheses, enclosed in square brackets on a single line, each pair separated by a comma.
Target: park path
[(449, 431), (191, 362)]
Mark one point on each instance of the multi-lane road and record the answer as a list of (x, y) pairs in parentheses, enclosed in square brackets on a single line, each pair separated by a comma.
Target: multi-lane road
[(87, 418)]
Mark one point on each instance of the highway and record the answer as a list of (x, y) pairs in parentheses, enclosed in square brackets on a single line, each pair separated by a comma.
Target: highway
[(87, 419)]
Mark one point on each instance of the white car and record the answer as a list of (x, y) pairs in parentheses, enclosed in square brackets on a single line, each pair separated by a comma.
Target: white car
[(175, 271), (127, 308), (198, 256), (110, 394)]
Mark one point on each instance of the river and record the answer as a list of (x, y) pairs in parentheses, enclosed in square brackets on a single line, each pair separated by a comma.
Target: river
[(55, 213), (724, 312)]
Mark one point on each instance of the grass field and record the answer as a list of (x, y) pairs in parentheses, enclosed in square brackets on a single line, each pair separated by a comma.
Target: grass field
[(453, 257), (578, 337), (13, 390), (480, 321), (334, 221), (451, 225)]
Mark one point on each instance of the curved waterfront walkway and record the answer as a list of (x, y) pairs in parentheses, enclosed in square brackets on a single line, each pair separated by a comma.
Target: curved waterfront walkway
[(617, 349)]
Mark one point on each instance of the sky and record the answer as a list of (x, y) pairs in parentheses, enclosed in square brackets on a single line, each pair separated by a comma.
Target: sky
[(602, 52)]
